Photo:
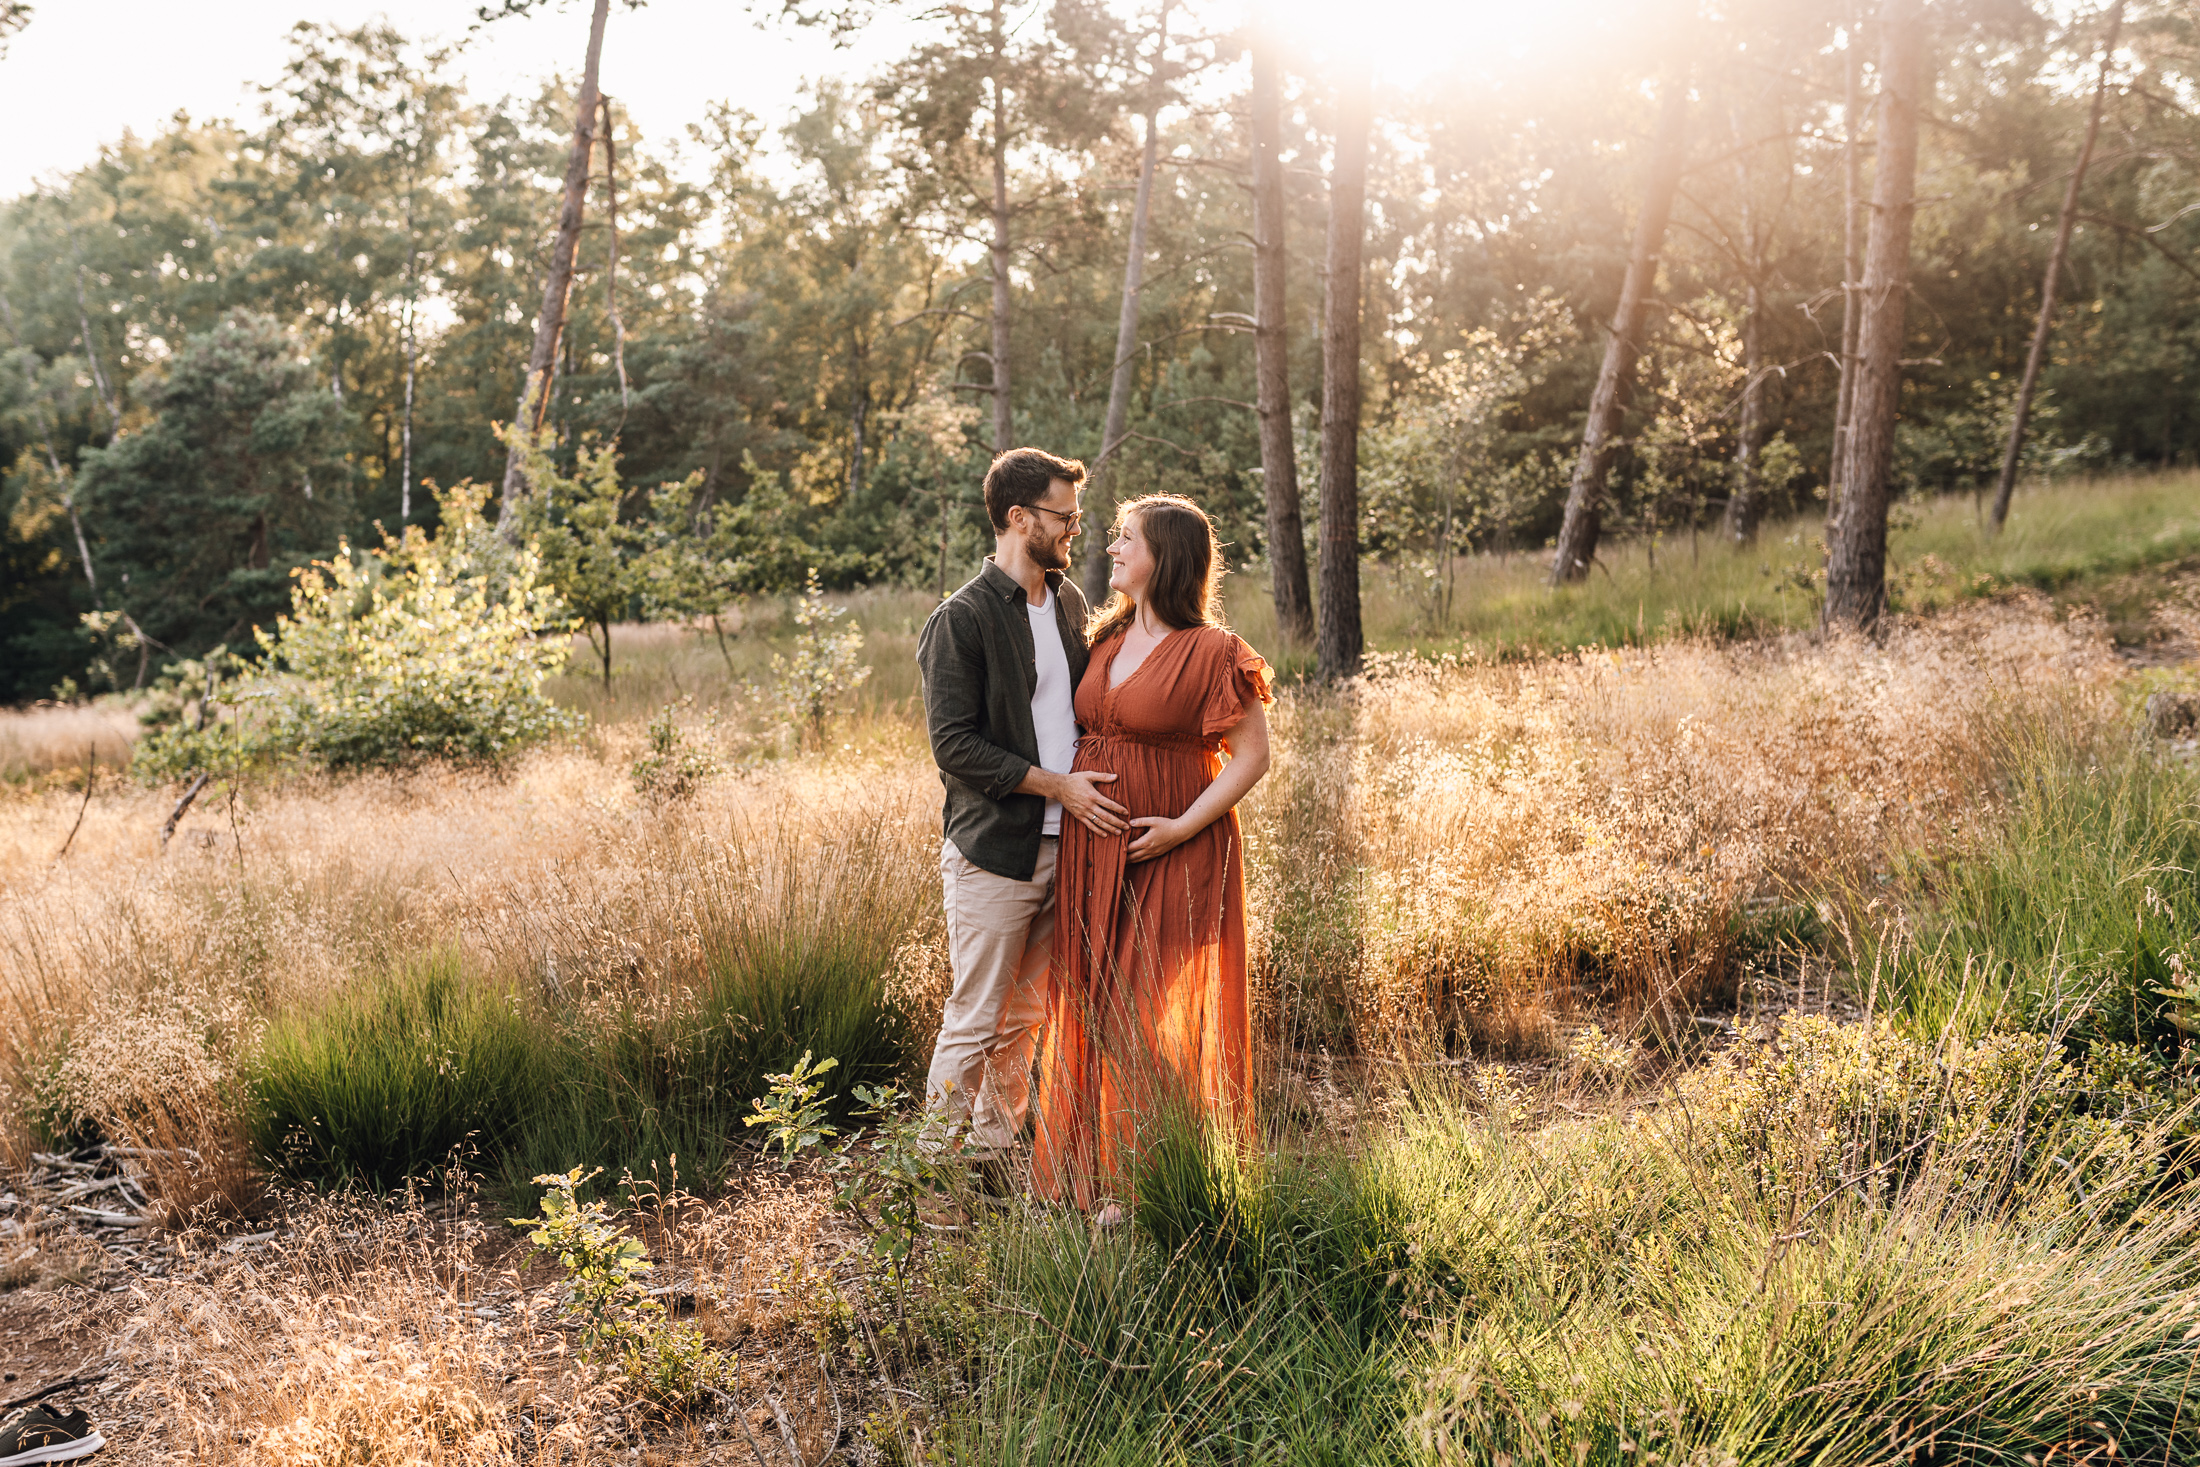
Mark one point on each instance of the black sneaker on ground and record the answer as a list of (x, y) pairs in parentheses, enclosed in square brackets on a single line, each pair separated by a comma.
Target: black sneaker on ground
[(47, 1434)]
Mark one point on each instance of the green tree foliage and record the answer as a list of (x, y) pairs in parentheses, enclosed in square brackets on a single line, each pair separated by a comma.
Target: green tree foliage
[(238, 479), (810, 314), (607, 567)]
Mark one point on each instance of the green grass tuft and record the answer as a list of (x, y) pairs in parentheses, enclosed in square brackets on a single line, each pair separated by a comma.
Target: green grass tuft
[(2067, 916)]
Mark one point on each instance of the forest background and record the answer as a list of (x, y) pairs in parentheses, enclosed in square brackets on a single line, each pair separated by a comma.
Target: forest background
[(229, 346)]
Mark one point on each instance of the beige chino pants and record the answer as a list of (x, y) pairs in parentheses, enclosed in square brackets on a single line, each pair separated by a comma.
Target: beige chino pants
[(1000, 938)]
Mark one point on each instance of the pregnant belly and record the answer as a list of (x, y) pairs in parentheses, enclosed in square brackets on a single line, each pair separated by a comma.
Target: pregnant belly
[(1150, 779)]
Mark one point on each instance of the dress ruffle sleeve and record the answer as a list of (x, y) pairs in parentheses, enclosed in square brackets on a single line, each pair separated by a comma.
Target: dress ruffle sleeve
[(1241, 676)]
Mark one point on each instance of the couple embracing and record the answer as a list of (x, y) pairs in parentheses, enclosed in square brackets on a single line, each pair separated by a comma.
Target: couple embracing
[(1092, 867)]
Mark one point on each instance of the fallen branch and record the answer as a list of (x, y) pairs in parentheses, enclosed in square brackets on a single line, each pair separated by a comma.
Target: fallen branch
[(91, 766), (78, 1191), (786, 1431), (54, 1390), (113, 1219), (182, 805)]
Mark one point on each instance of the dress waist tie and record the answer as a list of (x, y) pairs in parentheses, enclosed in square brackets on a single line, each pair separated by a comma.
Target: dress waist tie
[(1194, 742)]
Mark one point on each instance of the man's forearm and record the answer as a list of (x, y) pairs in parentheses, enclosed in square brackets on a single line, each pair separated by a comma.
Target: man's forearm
[(1038, 781)]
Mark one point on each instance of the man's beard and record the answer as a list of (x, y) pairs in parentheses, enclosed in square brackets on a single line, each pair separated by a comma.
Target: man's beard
[(1047, 553)]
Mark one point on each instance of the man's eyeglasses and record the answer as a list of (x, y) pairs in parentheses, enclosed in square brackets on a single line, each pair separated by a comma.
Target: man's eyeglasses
[(1072, 518)]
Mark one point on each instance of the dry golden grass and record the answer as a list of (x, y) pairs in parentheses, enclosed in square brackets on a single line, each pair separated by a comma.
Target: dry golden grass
[(40, 741), (1445, 848), (402, 1333), (1473, 851), (557, 874)]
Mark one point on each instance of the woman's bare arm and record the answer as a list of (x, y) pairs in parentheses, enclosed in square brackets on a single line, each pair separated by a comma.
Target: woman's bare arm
[(1248, 745)]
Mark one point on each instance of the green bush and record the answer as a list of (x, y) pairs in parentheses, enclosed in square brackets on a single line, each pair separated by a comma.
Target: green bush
[(426, 648), (432, 647)]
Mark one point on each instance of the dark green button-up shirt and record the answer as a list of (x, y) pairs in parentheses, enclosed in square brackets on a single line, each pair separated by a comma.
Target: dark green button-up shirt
[(976, 656)]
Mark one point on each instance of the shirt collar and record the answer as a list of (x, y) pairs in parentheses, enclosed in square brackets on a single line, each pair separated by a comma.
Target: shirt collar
[(1005, 586)]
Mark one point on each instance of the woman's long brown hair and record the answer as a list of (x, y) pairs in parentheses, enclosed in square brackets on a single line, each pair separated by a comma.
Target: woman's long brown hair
[(1186, 588)]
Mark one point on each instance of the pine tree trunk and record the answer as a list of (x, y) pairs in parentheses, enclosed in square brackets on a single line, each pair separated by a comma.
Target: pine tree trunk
[(1279, 469), (534, 397), (1337, 640), (2055, 261), (1852, 264), (1584, 522), (1003, 420), (1856, 536), (1097, 564)]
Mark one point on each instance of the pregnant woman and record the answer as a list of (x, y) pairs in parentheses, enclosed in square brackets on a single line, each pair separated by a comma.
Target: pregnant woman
[(1148, 1010)]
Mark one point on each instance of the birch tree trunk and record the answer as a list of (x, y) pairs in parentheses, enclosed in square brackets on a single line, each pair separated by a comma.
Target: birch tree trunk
[(1856, 535), (1584, 522), (1279, 469), (1097, 564), (1338, 641), (2056, 258), (100, 384), (411, 342), (534, 397), (611, 256), (1003, 418), (1852, 262)]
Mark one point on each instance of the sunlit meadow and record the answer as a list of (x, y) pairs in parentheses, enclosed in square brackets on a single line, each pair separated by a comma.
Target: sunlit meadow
[(1644, 1073)]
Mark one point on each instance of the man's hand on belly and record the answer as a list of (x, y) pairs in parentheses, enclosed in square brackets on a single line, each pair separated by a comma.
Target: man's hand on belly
[(1080, 797)]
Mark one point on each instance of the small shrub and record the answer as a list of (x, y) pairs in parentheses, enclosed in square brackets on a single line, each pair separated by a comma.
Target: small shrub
[(426, 648), (621, 1325), (886, 1188), (673, 768), (186, 730), (825, 665), (793, 1112)]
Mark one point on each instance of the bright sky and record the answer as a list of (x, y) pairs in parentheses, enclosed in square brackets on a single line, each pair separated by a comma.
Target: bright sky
[(85, 70)]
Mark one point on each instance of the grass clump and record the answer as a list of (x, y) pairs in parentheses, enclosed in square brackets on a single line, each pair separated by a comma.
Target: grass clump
[(1898, 1266), (2074, 913), (385, 1081)]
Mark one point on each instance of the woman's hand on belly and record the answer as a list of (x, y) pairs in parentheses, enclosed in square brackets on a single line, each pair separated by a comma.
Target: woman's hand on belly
[(1162, 834)]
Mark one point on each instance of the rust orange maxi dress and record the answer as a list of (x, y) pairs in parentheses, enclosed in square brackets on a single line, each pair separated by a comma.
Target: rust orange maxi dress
[(1148, 1005)]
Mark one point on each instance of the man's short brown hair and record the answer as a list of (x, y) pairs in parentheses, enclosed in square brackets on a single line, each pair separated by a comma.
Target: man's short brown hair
[(1020, 477)]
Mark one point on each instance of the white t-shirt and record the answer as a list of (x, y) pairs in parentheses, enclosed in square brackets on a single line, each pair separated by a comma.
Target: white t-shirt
[(1053, 701)]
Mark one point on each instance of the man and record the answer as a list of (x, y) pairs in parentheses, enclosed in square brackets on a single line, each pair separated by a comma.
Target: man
[(1001, 659)]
